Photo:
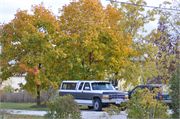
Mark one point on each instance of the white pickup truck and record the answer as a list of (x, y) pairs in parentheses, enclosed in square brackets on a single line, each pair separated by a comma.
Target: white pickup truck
[(94, 94)]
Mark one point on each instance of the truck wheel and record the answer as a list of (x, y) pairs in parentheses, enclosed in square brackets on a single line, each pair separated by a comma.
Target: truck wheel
[(97, 105)]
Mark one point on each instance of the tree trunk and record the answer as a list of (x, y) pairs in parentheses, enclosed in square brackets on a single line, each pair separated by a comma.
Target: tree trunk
[(38, 96), (38, 92)]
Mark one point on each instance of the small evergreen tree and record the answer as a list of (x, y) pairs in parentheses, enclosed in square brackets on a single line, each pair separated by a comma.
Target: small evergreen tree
[(175, 93)]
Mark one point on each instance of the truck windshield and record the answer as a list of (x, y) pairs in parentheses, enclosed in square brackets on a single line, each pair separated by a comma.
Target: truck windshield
[(102, 86)]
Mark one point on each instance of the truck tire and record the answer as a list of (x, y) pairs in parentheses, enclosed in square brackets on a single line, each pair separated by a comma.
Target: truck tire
[(97, 105)]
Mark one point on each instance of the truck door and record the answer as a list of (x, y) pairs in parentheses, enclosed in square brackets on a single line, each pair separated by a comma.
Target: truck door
[(79, 91), (87, 95), (134, 91)]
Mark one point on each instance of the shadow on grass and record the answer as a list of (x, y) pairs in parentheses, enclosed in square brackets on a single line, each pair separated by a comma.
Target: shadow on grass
[(41, 106)]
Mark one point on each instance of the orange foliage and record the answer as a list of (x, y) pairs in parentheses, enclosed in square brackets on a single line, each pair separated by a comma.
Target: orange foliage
[(30, 71), (38, 83), (35, 68)]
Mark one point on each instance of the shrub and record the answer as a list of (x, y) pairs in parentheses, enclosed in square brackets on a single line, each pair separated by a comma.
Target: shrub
[(47, 94), (63, 107), (8, 88), (144, 105), (175, 93), (113, 110)]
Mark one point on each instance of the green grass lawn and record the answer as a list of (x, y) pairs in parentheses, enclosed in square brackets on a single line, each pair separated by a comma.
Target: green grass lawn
[(26, 106), (21, 106)]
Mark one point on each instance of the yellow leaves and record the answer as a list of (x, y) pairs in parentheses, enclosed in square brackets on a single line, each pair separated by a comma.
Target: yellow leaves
[(9, 39), (55, 85), (114, 61), (95, 52), (43, 34), (79, 60), (59, 52), (38, 83), (100, 57), (64, 55)]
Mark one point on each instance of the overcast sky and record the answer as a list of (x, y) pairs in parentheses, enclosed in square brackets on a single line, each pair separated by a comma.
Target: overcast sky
[(8, 7)]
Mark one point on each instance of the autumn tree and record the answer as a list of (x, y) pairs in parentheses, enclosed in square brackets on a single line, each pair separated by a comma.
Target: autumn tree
[(0, 69), (27, 48), (168, 52), (92, 40), (167, 39), (142, 65)]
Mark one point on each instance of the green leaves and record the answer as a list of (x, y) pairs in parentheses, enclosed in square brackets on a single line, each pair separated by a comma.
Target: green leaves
[(175, 92), (143, 105)]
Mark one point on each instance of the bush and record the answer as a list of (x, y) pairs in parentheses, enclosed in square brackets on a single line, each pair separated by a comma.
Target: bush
[(8, 88), (112, 110), (144, 105), (175, 93), (63, 107), (47, 94)]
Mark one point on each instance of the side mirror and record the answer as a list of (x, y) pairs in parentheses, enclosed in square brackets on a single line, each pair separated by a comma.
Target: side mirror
[(87, 88)]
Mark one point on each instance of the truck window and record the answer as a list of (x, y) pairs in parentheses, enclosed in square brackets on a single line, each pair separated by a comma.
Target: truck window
[(145, 88), (102, 86), (154, 89), (80, 86), (136, 90), (86, 86), (69, 86)]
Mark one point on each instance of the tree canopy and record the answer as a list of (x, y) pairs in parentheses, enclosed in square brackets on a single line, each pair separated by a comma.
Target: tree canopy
[(84, 41), (166, 38), (143, 64), (92, 40), (27, 48)]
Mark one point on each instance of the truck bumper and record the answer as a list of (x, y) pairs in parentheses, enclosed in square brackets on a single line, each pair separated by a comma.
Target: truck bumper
[(114, 101), (166, 101)]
